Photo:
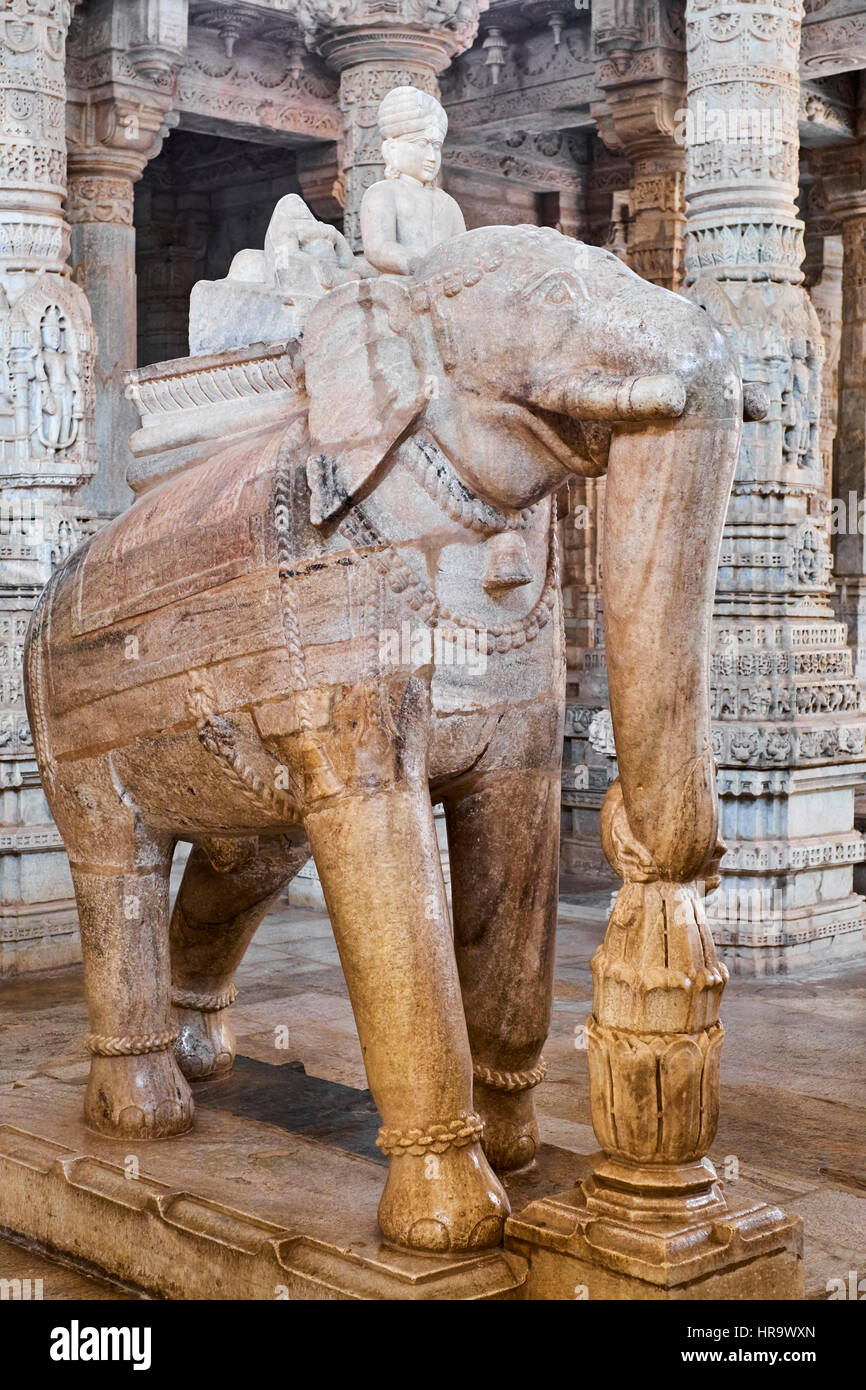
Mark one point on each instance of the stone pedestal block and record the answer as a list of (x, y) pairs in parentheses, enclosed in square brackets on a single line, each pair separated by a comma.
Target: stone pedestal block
[(236, 1210), (575, 1250)]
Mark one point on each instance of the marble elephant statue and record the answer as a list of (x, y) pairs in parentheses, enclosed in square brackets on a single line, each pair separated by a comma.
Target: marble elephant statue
[(304, 642)]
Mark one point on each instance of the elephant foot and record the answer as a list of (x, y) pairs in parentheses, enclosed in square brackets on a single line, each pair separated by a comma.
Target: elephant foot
[(138, 1097), (205, 1047), (440, 1202), (510, 1127)]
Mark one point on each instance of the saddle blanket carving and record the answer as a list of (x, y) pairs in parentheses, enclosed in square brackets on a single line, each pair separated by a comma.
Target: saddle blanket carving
[(192, 533)]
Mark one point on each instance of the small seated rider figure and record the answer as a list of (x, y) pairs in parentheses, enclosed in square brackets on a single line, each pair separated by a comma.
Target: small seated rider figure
[(405, 215)]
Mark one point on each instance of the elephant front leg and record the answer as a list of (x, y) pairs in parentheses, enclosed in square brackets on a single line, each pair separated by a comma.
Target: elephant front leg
[(135, 1090), (379, 865), (503, 840)]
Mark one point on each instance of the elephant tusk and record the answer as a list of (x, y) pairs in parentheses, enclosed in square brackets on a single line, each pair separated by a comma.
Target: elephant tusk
[(591, 396), (651, 397), (756, 401)]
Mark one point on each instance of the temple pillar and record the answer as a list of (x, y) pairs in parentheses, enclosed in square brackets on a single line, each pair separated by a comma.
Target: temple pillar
[(642, 75), (102, 255), (589, 761), (371, 57), (122, 70), (587, 767), (46, 455), (658, 214), (826, 296), (789, 733), (842, 175)]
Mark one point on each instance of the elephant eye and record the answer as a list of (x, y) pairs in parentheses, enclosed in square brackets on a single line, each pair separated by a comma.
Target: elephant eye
[(558, 288), (559, 293)]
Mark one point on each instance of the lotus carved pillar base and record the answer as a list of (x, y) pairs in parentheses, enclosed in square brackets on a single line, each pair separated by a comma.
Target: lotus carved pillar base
[(652, 1221)]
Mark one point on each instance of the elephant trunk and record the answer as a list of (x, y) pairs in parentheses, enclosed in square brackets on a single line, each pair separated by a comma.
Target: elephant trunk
[(665, 502)]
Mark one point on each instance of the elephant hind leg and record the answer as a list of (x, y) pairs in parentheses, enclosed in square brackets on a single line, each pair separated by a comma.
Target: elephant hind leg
[(503, 840), (227, 888)]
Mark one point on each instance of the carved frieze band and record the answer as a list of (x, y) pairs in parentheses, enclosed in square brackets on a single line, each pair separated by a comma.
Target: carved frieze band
[(250, 88), (94, 199), (793, 744)]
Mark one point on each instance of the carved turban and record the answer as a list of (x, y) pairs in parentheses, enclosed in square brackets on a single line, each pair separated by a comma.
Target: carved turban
[(409, 111)]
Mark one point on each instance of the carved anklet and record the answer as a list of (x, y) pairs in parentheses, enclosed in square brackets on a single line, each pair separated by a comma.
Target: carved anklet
[(103, 1045), (435, 1139), (205, 1003), (509, 1080)]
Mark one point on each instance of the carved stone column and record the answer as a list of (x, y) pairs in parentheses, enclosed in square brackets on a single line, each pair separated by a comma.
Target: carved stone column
[(658, 215), (102, 253), (653, 1221), (589, 760), (642, 75), (585, 775), (842, 176), (46, 452), (789, 736), (375, 46), (121, 73), (826, 296)]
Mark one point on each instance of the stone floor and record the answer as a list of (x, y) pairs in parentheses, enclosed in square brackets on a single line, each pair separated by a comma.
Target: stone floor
[(793, 1111)]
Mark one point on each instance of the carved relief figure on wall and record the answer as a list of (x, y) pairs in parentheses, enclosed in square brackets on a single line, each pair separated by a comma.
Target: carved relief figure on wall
[(56, 391), (799, 409), (404, 216)]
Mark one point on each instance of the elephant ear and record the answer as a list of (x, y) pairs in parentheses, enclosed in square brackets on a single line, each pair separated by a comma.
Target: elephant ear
[(364, 386)]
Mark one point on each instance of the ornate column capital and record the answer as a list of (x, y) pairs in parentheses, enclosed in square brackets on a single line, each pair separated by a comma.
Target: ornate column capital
[(109, 141), (347, 32), (643, 117), (121, 73)]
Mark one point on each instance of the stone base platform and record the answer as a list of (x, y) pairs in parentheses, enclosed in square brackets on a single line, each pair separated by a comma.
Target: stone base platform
[(236, 1209), (752, 1251)]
